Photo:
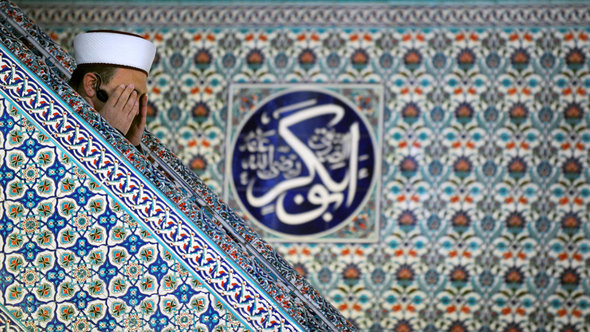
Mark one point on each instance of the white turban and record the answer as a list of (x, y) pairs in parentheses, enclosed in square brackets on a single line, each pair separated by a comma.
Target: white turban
[(116, 48)]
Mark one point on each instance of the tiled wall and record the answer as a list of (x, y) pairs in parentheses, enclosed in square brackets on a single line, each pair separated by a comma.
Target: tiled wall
[(485, 158)]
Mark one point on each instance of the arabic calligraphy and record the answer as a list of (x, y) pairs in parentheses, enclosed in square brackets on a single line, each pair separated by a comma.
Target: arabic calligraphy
[(303, 162)]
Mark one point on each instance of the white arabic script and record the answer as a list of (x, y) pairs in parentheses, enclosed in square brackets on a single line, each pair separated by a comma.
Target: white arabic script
[(325, 147)]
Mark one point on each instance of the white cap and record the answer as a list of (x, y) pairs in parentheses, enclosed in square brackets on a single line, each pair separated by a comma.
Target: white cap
[(116, 48)]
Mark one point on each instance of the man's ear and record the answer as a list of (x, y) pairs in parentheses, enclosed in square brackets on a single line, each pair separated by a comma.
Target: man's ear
[(89, 82), (87, 88)]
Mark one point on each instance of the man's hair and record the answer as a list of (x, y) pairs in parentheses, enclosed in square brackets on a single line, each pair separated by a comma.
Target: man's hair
[(106, 72)]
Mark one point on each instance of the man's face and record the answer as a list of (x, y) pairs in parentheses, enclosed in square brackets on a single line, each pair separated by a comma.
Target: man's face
[(126, 106), (126, 76)]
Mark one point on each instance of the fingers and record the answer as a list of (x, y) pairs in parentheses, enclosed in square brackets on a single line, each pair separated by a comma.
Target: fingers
[(136, 129), (143, 110), (124, 98), (114, 99), (122, 107), (132, 105)]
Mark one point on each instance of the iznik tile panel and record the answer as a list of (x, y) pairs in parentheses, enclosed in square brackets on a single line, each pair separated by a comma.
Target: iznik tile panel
[(99, 236), (485, 182)]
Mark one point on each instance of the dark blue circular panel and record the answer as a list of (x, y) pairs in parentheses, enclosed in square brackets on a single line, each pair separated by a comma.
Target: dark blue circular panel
[(303, 163)]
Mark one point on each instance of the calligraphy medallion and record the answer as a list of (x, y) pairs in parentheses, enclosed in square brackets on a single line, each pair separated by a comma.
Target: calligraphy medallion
[(303, 162)]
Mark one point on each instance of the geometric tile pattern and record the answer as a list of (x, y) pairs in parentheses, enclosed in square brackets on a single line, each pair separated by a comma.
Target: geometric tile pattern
[(9, 322), (23, 92), (486, 149), (72, 258), (249, 288)]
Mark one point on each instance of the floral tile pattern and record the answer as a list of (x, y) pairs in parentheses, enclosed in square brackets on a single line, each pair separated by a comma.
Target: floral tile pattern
[(76, 258), (255, 284), (485, 185)]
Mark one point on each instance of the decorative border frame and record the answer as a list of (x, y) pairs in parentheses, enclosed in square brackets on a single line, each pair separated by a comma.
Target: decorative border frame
[(377, 133), (25, 91), (305, 15)]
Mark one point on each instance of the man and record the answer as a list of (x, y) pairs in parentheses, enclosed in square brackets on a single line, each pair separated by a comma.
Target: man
[(112, 76)]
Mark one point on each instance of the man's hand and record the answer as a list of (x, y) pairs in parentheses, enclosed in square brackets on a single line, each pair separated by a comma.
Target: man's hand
[(121, 108), (135, 132)]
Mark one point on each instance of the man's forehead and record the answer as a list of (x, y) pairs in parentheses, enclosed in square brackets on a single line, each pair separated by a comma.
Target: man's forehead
[(128, 76)]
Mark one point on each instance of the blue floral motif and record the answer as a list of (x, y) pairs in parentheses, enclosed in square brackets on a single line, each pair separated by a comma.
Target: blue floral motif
[(511, 101)]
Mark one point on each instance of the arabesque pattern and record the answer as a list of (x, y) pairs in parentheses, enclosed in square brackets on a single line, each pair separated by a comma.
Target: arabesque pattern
[(52, 261), (74, 260), (257, 291), (486, 149)]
